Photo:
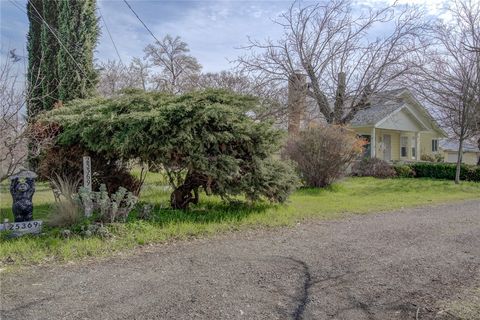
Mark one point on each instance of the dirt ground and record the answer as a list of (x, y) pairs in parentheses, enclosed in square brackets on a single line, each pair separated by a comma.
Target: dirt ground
[(406, 264)]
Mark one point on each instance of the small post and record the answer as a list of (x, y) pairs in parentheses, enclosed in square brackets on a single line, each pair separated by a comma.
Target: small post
[(373, 144), (87, 173), (87, 183)]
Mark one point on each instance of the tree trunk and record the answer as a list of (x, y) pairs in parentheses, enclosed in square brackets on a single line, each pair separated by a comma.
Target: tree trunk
[(297, 86), (187, 193), (181, 198), (340, 98), (459, 160)]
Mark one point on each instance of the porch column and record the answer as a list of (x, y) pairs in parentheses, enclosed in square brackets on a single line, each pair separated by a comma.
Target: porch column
[(417, 146), (373, 144)]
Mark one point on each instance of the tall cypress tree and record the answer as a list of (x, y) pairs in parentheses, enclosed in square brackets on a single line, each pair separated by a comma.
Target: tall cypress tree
[(34, 48), (78, 28), (63, 71), (50, 48)]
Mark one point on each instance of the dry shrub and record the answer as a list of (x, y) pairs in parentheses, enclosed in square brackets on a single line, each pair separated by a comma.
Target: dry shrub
[(66, 211), (377, 168), (323, 153)]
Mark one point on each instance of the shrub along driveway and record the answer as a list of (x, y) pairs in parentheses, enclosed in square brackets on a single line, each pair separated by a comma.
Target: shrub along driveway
[(398, 265)]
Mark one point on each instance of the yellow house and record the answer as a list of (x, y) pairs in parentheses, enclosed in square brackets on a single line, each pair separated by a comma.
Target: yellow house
[(398, 128), (471, 153)]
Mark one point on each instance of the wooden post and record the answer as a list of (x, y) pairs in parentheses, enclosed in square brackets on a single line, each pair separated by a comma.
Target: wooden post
[(87, 183), (87, 173), (373, 144), (417, 146)]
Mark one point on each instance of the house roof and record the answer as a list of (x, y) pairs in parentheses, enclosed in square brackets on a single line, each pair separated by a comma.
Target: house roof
[(387, 103), (452, 145), (375, 113)]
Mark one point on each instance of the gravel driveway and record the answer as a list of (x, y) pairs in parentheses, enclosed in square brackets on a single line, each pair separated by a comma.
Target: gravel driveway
[(396, 265)]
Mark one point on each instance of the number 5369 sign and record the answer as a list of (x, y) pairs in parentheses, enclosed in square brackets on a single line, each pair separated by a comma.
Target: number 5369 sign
[(34, 226)]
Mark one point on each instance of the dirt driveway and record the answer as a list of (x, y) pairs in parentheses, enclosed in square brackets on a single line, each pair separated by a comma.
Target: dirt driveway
[(396, 265)]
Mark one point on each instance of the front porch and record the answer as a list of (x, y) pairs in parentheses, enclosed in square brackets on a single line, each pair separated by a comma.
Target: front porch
[(392, 145), (405, 134)]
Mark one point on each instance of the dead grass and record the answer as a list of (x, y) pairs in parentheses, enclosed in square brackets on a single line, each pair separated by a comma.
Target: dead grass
[(66, 210), (466, 308)]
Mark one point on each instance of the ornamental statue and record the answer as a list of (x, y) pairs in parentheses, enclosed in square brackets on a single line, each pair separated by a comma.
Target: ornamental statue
[(22, 188)]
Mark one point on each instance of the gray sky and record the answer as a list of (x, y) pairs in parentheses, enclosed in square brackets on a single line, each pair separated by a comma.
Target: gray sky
[(213, 29)]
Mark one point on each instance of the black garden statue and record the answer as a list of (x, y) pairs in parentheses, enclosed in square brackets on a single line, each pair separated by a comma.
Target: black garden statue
[(22, 188)]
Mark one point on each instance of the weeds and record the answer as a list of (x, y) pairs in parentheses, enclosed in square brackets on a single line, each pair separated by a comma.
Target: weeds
[(66, 210)]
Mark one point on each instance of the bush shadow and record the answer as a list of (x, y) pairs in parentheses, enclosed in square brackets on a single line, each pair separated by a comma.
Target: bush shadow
[(209, 211)]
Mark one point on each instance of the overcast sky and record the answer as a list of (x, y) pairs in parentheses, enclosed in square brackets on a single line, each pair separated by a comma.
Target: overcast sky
[(214, 30)]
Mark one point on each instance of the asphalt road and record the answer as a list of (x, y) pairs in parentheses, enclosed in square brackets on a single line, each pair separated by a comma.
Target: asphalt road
[(395, 265)]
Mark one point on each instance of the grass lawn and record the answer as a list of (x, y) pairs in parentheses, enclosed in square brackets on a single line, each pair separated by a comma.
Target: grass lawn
[(353, 195)]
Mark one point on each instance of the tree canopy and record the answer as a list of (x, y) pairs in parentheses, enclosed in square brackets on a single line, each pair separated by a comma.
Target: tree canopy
[(202, 140)]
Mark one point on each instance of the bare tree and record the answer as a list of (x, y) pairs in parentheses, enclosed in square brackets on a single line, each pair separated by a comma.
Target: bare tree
[(18, 139), (332, 46), (449, 73), (113, 77), (272, 97), (176, 66), (139, 74)]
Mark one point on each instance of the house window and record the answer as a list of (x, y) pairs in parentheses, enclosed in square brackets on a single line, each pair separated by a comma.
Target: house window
[(434, 145), (403, 146)]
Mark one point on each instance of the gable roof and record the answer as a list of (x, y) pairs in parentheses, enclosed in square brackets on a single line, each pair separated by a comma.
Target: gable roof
[(390, 102), (374, 114)]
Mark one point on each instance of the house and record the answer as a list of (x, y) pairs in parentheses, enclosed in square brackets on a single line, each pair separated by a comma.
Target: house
[(471, 153), (398, 127)]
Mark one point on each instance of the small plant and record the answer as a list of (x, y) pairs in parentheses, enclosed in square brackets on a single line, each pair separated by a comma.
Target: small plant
[(404, 171), (373, 167), (437, 157), (427, 157), (96, 229), (145, 211), (66, 210), (111, 208)]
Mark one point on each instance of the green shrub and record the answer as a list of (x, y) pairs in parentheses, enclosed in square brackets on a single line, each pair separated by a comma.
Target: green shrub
[(201, 140), (434, 170), (445, 171), (470, 173), (373, 167), (404, 171)]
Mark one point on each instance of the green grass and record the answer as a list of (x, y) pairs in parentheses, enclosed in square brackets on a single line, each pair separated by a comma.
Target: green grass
[(353, 195)]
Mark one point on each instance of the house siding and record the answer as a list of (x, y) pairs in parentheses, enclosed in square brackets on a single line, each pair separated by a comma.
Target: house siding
[(467, 158), (426, 143)]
